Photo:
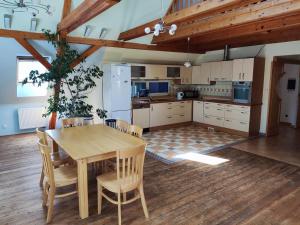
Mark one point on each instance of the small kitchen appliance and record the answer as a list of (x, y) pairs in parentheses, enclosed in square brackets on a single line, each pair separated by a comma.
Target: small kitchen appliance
[(179, 95)]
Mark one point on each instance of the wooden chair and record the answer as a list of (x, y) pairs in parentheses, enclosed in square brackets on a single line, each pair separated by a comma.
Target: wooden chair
[(126, 178), (72, 122), (55, 178), (122, 126), (57, 158), (136, 131)]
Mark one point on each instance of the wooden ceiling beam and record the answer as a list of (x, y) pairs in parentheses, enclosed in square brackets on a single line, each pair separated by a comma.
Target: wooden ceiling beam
[(128, 45), (268, 37), (83, 13), (252, 13), (85, 54), (23, 42), (263, 26), (22, 34), (66, 8), (199, 10), (99, 42)]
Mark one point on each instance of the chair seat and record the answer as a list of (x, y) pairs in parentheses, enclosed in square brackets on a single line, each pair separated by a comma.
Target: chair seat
[(65, 175), (110, 182), (59, 158)]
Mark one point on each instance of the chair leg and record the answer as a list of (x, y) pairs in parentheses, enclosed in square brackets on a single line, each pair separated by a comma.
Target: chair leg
[(45, 194), (119, 208), (51, 204), (42, 177), (99, 191), (143, 200)]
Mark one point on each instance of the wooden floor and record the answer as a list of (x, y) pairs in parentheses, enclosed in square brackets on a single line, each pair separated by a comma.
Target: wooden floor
[(248, 190), (284, 147)]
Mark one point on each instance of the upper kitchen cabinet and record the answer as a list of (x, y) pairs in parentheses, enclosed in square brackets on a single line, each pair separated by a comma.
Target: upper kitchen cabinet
[(215, 71), (227, 70), (173, 72), (201, 74), (186, 75), (243, 69), (221, 71), (138, 71), (156, 72)]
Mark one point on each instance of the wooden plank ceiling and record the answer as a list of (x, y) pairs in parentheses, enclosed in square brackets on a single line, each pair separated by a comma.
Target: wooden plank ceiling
[(212, 24)]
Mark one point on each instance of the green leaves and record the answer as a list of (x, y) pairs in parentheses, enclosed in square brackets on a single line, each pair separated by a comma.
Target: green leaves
[(71, 86)]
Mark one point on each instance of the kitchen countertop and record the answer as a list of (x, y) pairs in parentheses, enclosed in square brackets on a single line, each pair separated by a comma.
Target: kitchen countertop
[(145, 102)]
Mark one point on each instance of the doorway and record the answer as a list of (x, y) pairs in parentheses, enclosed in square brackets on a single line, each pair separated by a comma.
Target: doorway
[(284, 101)]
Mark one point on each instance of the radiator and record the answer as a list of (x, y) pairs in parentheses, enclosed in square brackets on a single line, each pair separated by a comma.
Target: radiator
[(32, 118)]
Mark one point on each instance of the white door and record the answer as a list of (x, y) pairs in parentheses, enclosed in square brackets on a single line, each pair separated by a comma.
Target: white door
[(120, 88)]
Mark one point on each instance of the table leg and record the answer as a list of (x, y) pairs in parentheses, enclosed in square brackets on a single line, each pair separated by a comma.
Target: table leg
[(55, 146), (83, 188)]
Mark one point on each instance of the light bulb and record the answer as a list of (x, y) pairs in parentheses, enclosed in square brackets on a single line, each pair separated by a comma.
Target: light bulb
[(156, 33), (187, 64), (147, 30), (174, 27), (171, 32), (157, 27)]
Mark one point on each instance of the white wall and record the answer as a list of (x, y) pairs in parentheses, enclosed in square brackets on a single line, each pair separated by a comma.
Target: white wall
[(289, 103), (10, 103)]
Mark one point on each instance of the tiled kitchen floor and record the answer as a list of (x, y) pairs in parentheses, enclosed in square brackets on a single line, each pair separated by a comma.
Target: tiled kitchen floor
[(171, 145)]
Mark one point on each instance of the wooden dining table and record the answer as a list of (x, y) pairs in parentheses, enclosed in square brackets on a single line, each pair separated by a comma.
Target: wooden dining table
[(88, 144)]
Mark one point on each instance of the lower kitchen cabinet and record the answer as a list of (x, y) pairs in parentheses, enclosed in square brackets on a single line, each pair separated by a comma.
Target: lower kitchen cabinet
[(170, 113), (235, 117), (141, 117), (198, 113)]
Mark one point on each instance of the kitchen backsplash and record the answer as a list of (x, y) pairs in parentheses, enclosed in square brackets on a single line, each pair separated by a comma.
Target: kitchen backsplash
[(219, 89)]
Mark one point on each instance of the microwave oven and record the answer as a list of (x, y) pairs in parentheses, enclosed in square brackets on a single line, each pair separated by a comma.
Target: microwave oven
[(242, 92)]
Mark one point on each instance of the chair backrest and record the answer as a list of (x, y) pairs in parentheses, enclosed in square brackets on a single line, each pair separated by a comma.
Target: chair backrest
[(130, 167), (47, 162), (111, 123), (41, 136), (136, 131), (72, 122), (123, 126)]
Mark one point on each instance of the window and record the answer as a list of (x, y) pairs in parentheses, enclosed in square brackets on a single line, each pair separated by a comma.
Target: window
[(24, 66)]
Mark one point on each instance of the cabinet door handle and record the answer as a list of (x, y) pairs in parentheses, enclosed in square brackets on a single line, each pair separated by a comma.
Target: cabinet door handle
[(228, 121), (243, 123), (228, 110), (243, 76), (208, 80), (219, 109), (151, 108)]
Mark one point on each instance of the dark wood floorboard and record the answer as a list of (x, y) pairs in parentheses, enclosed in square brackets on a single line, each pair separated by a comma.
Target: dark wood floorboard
[(248, 190)]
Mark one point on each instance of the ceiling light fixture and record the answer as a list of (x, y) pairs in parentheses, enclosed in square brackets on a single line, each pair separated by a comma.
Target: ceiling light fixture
[(33, 24), (33, 6), (88, 30), (161, 27), (7, 21), (103, 33), (188, 63)]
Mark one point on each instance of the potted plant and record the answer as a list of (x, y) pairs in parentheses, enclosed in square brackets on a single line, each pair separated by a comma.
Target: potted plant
[(70, 86)]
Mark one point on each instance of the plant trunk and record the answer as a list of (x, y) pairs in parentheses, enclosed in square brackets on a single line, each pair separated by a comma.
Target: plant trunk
[(53, 117), (52, 122)]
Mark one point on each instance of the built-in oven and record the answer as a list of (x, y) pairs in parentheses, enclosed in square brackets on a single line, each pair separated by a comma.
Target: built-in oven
[(242, 91)]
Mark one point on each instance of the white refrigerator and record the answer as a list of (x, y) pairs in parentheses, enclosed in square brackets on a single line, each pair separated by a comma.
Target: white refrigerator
[(117, 91)]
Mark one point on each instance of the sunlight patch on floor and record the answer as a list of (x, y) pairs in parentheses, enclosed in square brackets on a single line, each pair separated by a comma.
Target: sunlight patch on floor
[(206, 159)]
